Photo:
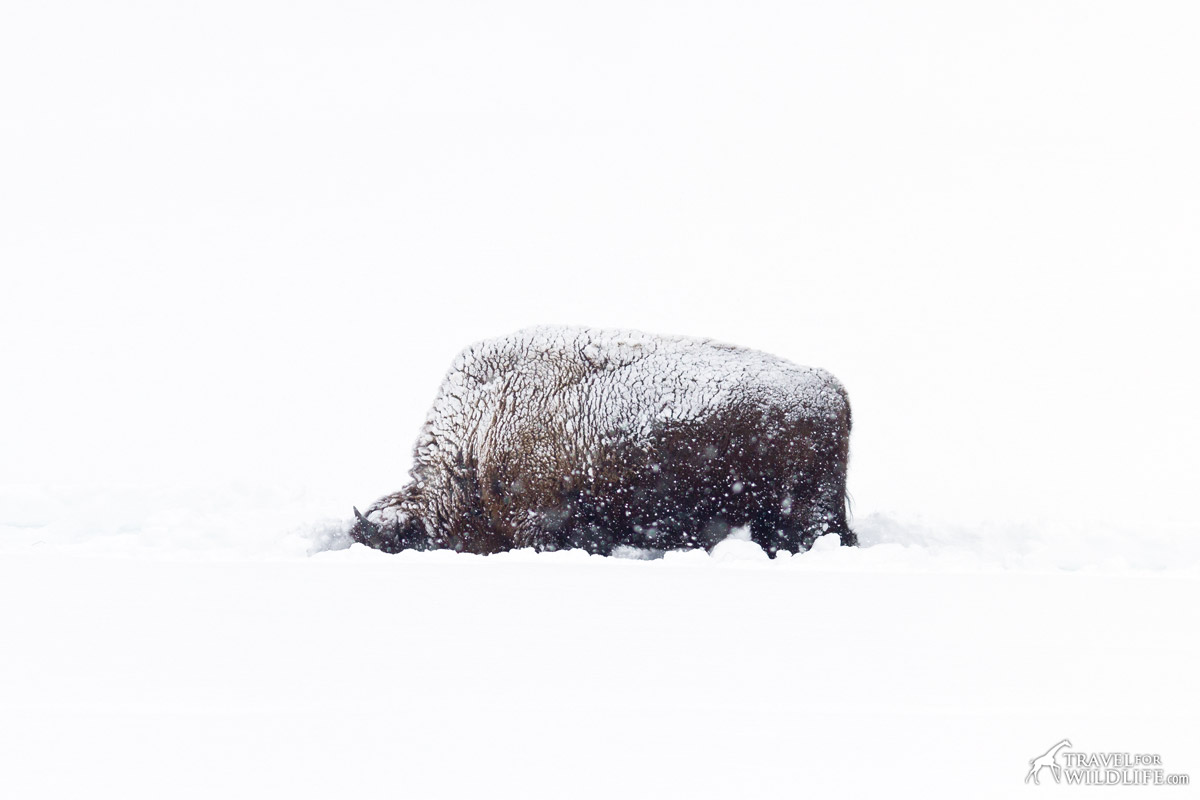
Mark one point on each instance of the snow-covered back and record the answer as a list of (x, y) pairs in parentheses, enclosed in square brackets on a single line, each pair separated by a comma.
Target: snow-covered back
[(602, 381), (634, 380)]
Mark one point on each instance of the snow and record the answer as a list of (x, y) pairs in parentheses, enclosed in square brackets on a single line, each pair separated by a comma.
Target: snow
[(242, 243), (446, 675), (262, 522), (228, 641), (634, 380)]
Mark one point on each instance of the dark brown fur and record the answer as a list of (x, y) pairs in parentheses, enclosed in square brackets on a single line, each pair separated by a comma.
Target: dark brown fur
[(684, 485)]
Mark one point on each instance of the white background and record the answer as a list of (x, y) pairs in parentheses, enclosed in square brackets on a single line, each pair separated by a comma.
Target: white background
[(245, 239), (240, 243)]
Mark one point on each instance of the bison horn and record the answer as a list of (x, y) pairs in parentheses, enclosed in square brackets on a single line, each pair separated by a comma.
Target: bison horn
[(364, 531)]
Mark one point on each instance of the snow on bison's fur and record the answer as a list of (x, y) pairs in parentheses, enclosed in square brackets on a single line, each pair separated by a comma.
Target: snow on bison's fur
[(559, 438)]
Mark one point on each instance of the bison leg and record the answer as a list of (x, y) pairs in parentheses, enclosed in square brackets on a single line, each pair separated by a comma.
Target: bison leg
[(832, 501), (825, 511), (813, 508), (563, 528), (590, 537)]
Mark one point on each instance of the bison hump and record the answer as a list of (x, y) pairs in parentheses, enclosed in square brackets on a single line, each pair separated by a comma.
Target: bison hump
[(584, 383)]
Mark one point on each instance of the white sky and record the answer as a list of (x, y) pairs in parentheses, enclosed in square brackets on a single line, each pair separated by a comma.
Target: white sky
[(244, 240)]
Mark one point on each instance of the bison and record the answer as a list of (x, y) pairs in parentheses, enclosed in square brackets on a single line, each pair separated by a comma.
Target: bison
[(557, 438)]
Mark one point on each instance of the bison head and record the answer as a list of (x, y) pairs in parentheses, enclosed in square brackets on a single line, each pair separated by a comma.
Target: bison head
[(390, 529)]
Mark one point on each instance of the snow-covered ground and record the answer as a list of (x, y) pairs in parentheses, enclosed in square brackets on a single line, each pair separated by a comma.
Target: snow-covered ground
[(241, 242), (841, 673), (228, 643), (262, 522)]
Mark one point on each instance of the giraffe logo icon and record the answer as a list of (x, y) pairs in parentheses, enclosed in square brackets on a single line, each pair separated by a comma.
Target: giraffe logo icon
[(1047, 759)]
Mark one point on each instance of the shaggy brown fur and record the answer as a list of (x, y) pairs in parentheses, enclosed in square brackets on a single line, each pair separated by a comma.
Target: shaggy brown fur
[(562, 438)]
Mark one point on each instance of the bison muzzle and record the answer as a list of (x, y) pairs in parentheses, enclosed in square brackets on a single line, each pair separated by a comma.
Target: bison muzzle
[(557, 438)]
